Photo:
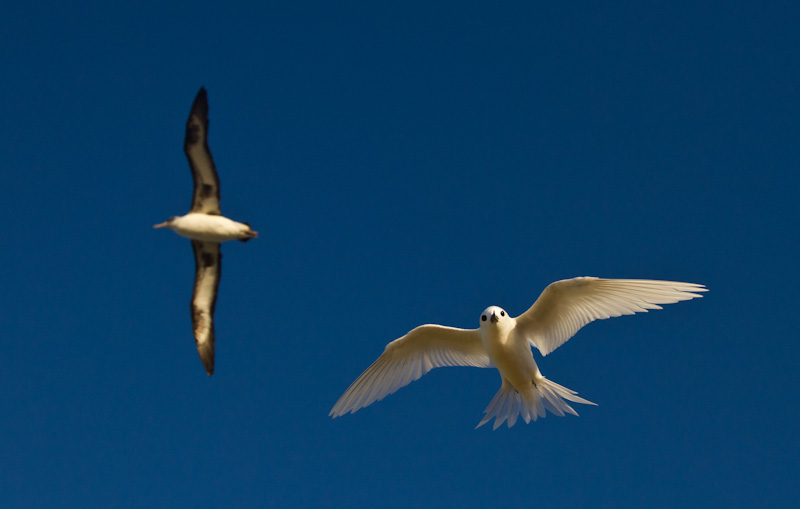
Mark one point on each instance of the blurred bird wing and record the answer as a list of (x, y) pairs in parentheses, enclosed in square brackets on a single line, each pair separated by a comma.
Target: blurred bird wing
[(207, 273), (205, 198), (408, 358), (566, 306)]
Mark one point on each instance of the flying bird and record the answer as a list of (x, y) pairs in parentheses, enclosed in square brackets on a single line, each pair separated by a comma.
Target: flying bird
[(505, 343), (206, 227)]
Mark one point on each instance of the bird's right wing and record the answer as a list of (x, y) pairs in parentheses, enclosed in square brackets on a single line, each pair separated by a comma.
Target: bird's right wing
[(408, 358)]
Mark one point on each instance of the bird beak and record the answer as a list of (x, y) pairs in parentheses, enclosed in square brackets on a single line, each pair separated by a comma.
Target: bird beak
[(493, 318), (165, 224)]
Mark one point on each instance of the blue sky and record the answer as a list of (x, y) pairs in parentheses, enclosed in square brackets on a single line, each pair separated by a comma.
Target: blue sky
[(404, 164)]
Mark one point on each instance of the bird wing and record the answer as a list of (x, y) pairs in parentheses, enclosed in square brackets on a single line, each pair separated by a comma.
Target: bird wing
[(408, 358), (207, 272), (566, 306), (205, 199)]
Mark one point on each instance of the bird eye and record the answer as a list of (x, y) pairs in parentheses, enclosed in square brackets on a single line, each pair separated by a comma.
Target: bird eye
[(483, 318), (502, 313)]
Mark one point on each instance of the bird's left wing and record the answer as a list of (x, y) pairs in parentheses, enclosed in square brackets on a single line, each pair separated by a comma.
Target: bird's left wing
[(207, 272), (566, 306), (408, 358), (205, 199)]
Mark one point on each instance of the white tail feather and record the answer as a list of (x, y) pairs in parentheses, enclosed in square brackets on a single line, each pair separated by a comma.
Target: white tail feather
[(507, 404)]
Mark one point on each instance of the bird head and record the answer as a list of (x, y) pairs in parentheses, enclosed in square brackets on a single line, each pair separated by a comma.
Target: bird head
[(495, 316), (165, 224)]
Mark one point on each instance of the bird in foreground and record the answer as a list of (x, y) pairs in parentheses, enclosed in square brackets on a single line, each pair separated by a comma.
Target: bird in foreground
[(206, 227), (505, 343)]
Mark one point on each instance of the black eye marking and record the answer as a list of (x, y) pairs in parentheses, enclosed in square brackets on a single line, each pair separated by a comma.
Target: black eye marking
[(483, 318), (502, 313)]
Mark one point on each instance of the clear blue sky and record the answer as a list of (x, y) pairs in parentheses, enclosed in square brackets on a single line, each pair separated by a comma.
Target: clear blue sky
[(404, 164)]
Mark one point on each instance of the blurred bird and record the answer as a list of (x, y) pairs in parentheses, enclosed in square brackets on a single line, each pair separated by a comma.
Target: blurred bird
[(206, 227), (505, 343)]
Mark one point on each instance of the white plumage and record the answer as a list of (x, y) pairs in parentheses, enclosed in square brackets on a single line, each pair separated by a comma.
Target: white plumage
[(505, 343), (209, 228)]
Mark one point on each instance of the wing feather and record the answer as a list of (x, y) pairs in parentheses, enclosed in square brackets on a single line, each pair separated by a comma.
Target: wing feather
[(408, 358), (566, 306), (208, 269), (205, 198)]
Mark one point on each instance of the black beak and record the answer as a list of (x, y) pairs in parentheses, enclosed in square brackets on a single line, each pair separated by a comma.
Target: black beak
[(493, 318)]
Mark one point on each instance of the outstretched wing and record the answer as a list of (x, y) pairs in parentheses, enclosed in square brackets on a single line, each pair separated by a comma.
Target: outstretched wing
[(408, 358), (205, 199), (566, 306), (207, 272)]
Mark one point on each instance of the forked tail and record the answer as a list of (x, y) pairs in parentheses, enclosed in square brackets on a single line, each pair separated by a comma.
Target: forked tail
[(508, 404)]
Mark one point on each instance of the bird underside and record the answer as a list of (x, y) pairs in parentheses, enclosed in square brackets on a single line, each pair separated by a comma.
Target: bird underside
[(212, 228)]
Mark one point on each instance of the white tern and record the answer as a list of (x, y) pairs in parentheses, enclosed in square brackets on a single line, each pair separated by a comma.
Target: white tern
[(505, 343)]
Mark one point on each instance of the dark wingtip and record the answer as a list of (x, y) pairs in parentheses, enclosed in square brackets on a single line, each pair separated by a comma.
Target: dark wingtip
[(206, 352), (200, 104)]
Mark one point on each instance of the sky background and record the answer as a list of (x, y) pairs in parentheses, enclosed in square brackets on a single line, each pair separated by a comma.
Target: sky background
[(404, 163)]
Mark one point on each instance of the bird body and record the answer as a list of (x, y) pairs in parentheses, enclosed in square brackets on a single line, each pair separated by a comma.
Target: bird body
[(524, 391), (511, 356), (505, 343), (208, 228)]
